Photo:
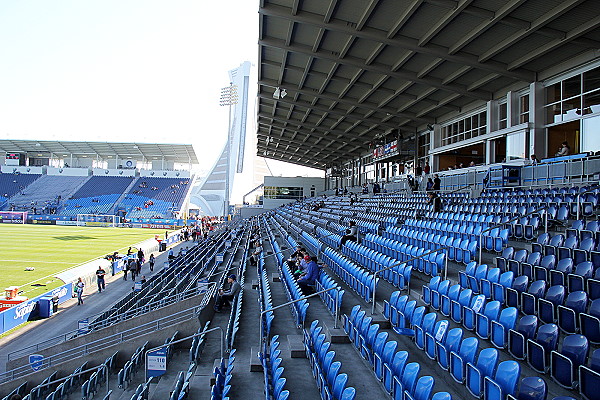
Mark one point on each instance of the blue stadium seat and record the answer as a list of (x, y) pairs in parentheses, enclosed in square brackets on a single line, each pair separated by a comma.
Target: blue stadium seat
[(539, 348), (498, 289), (459, 360), (576, 281), (500, 328), (394, 369), (531, 388), (529, 299), (568, 314), (564, 365), (444, 346), (547, 306), (504, 382), (542, 271), (558, 276), (589, 377), (517, 337), (487, 361)]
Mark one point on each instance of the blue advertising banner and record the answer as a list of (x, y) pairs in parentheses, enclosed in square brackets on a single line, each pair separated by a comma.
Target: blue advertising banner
[(29, 309)]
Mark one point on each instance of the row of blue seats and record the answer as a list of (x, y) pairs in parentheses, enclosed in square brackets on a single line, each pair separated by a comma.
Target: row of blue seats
[(197, 346), (506, 332), (584, 229), (233, 324), (361, 281), (462, 241), (292, 290), (132, 366), (181, 386), (223, 375), (265, 299), (481, 373), (582, 276), (509, 193), (432, 264), (415, 231), (550, 303), (331, 383), (400, 379), (273, 372), (329, 238), (585, 249), (142, 391)]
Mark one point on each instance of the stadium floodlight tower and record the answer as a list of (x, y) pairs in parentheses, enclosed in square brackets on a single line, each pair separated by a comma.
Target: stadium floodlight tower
[(211, 193), (229, 97)]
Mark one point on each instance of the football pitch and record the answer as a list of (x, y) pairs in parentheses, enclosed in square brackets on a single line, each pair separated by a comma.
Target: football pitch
[(51, 249)]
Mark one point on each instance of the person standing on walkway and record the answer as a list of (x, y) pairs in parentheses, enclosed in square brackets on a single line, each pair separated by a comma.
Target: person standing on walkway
[(100, 272), (140, 255), (151, 260), (132, 268), (79, 287)]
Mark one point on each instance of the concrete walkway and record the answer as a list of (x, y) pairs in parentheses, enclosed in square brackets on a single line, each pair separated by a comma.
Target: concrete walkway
[(69, 313)]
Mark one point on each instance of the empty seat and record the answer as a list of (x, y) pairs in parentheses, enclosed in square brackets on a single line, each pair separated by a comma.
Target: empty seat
[(565, 364), (547, 306), (539, 348), (589, 322), (487, 360), (459, 360), (568, 313), (517, 337), (529, 299), (504, 381)]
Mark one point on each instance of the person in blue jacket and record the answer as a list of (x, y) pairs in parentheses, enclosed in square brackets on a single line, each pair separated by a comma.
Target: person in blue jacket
[(311, 273)]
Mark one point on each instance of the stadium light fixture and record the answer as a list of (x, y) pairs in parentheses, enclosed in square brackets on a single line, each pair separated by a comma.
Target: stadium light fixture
[(229, 97)]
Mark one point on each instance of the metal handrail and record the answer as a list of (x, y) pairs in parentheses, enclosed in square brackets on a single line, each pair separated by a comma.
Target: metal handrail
[(102, 343), (101, 366), (260, 340), (404, 262), (495, 225), (179, 341)]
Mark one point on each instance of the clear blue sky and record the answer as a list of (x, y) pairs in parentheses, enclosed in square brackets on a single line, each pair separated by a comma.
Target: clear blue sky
[(123, 70)]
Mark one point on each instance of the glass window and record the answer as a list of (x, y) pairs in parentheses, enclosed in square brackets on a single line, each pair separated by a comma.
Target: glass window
[(524, 109), (279, 193), (502, 111), (571, 108), (591, 102), (553, 93), (553, 114), (591, 80), (590, 139), (571, 87), (515, 146)]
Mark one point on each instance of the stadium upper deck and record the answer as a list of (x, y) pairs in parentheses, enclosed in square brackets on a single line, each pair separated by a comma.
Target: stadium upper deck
[(372, 86)]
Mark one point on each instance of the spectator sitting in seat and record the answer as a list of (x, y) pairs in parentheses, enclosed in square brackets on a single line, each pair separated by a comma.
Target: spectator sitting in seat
[(564, 149), (256, 254), (434, 201), (225, 296), (307, 280), (351, 234)]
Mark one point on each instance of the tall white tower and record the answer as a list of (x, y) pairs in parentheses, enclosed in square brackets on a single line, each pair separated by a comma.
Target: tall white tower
[(211, 192)]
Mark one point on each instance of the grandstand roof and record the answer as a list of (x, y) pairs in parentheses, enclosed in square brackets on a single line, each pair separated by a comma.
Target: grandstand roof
[(354, 70), (179, 153)]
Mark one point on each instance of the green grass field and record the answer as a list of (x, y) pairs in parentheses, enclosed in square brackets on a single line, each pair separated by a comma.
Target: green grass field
[(51, 249)]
